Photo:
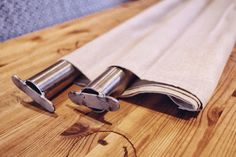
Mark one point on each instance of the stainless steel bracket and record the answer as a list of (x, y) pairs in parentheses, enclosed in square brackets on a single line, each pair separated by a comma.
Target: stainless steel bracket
[(45, 85), (101, 94)]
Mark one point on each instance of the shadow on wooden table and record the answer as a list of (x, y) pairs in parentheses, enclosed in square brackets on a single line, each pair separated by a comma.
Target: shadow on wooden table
[(157, 102), (36, 107), (97, 116), (161, 103)]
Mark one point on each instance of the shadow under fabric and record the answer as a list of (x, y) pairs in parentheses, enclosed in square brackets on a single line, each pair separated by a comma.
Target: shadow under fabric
[(178, 48)]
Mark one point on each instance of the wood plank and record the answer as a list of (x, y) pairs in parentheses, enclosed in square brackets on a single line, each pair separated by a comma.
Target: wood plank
[(148, 125)]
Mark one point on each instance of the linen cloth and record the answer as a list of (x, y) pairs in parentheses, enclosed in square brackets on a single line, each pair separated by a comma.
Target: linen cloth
[(176, 47)]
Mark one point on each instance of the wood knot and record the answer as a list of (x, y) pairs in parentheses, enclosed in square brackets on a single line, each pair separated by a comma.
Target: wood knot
[(4, 64), (77, 129), (36, 38), (78, 31), (234, 93), (213, 115), (102, 142)]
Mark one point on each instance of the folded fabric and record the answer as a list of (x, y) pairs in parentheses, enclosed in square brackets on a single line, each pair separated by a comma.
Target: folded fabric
[(176, 47)]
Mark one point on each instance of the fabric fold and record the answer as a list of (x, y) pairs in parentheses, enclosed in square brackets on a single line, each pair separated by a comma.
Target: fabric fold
[(178, 48)]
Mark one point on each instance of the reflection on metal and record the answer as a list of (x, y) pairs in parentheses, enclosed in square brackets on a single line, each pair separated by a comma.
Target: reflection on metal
[(100, 95), (43, 86)]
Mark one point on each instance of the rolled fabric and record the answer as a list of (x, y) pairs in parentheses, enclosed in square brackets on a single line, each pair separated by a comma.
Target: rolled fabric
[(176, 47)]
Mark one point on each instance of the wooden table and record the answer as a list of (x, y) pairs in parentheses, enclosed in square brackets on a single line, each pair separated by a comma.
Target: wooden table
[(149, 125)]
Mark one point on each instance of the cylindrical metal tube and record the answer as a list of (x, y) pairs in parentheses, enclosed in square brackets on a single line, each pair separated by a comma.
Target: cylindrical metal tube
[(45, 85), (111, 82), (53, 79), (100, 95)]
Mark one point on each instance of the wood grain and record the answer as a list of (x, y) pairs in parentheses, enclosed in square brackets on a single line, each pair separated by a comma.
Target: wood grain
[(148, 125)]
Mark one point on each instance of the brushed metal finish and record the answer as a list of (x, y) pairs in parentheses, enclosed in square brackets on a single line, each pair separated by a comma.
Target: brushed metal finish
[(43, 86), (53, 79), (100, 95), (111, 82), (40, 99)]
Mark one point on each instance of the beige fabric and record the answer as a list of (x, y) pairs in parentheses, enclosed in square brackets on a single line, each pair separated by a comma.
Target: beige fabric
[(177, 47)]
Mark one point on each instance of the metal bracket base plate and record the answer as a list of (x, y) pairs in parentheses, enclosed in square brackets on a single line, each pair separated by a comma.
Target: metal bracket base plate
[(40, 99), (98, 103)]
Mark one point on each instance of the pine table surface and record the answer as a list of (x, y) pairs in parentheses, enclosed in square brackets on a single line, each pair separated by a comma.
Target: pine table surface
[(146, 125)]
